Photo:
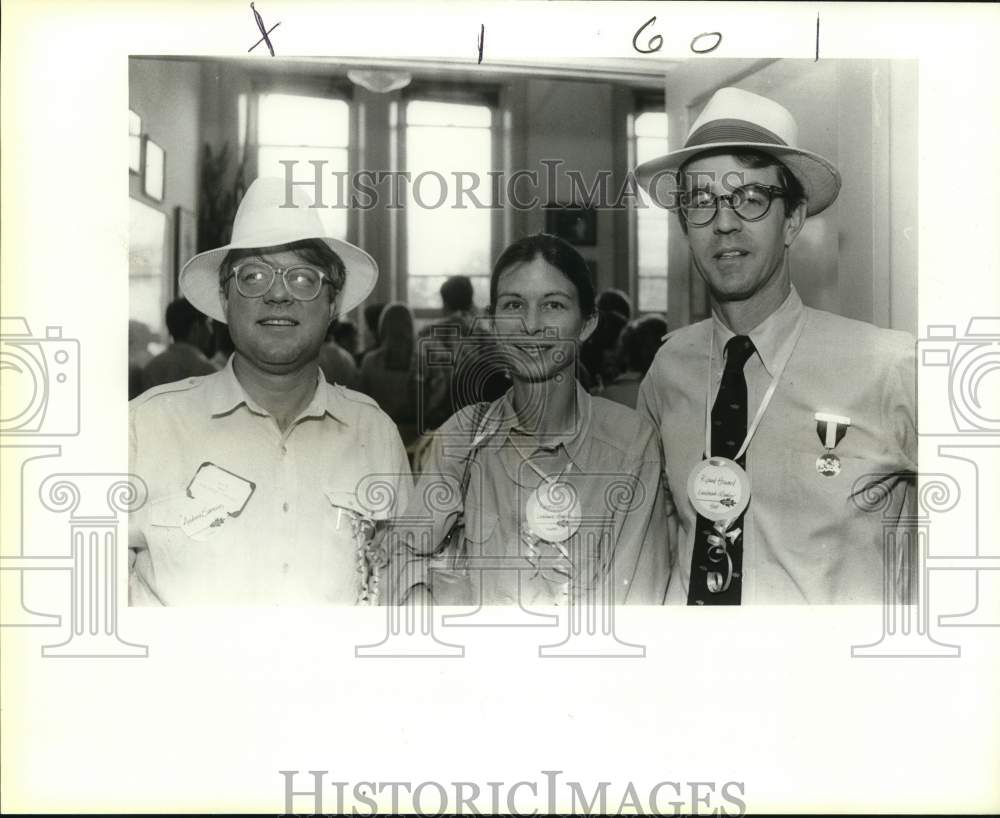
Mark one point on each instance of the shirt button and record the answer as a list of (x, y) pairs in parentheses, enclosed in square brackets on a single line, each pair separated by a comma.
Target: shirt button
[(284, 506)]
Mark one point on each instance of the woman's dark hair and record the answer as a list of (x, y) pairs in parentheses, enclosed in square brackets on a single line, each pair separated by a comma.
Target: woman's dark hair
[(560, 254), (312, 251), (795, 194), (396, 338)]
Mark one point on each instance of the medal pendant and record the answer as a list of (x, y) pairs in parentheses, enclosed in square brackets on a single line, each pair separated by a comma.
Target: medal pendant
[(828, 464), (719, 489), (553, 512)]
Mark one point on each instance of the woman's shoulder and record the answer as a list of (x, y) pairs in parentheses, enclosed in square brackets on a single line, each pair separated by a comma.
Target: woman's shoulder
[(619, 425)]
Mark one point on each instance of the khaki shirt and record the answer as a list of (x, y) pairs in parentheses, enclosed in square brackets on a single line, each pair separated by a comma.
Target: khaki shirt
[(806, 537), (611, 464), (294, 542)]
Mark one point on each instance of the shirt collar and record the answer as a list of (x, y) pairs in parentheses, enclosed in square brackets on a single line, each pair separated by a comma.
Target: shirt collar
[(225, 394), (770, 337), (500, 420)]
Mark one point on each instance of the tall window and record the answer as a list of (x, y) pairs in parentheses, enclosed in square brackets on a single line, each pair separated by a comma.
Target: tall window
[(303, 128), (649, 141), (446, 232)]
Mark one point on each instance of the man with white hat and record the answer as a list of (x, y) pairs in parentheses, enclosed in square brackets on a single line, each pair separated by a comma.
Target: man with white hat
[(267, 485), (789, 433)]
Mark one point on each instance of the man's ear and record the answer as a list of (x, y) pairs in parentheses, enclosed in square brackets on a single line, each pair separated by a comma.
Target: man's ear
[(589, 326), (224, 299), (335, 305), (794, 223)]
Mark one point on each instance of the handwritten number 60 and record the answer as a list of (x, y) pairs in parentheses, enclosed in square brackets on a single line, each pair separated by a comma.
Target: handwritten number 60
[(656, 41)]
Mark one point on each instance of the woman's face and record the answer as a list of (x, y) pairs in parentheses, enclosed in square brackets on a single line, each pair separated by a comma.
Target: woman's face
[(537, 320)]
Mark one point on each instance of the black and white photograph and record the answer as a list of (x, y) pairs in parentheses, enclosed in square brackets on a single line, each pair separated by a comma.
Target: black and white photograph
[(430, 377)]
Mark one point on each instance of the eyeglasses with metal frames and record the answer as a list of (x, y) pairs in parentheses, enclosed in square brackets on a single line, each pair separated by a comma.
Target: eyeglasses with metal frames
[(255, 277)]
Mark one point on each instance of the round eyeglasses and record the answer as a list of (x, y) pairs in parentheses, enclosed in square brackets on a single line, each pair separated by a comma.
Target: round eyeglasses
[(255, 278), (750, 202)]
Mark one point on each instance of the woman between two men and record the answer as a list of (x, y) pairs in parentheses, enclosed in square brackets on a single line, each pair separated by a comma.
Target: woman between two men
[(548, 495)]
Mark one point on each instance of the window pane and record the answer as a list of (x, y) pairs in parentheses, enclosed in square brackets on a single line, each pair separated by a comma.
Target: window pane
[(447, 233), (284, 119), (653, 294), (651, 123), (651, 221), (336, 201), (425, 291), (651, 224), (424, 112)]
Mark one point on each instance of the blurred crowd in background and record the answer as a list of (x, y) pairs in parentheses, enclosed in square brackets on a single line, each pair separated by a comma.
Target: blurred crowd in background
[(418, 377)]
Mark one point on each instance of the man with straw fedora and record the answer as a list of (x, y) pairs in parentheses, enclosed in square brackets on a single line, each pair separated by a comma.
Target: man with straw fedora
[(789, 433), (267, 484)]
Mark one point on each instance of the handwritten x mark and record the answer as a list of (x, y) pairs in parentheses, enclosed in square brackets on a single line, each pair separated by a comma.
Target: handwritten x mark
[(265, 32)]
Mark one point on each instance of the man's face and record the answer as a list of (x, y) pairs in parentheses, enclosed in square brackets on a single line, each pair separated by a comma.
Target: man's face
[(277, 333), (739, 259), (538, 320)]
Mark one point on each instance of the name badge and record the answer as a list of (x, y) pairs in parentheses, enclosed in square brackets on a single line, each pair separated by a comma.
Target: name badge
[(719, 489), (553, 512), (213, 496)]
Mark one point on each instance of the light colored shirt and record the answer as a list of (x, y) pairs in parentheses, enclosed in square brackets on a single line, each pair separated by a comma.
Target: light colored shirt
[(178, 361), (294, 542), (610, 462), (806, 537)]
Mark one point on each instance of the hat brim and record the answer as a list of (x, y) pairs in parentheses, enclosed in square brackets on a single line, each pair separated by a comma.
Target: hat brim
[(199, 279), (819, 178)]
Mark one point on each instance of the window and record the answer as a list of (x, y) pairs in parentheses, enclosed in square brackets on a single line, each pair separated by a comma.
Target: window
[(304, 129), (649, 140), (447, 233)]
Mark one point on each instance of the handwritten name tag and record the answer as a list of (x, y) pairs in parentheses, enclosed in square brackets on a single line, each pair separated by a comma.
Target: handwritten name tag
[(719, 489), (214, 496)]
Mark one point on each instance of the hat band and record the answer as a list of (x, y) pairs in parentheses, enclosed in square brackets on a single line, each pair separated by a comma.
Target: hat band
[(732, 130)]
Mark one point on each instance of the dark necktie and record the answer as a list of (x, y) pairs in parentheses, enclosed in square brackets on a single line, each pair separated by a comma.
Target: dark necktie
[(729, 428)]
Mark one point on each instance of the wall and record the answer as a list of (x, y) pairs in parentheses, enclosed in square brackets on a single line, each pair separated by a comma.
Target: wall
[(167, 95), (572, 122)]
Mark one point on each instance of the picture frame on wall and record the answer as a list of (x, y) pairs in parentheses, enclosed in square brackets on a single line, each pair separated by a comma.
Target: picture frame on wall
[(185, 240), (573, 223), (134, 142), (154, 169)]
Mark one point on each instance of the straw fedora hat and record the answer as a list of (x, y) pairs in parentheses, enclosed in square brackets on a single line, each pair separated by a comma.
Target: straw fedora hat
[(262, 221), (740, 120)]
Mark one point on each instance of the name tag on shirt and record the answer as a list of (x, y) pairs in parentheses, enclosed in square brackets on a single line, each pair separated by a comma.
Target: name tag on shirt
[(214, 481), (213, 496)]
